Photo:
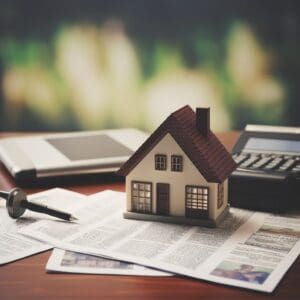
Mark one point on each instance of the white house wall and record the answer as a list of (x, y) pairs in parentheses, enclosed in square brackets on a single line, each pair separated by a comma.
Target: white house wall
[(145, 171), (219, 210)]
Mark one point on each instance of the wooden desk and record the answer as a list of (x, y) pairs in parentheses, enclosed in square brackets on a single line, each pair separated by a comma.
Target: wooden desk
[(27, 279)]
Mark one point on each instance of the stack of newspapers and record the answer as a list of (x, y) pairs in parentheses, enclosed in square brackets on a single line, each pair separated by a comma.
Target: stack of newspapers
[(248, 249)]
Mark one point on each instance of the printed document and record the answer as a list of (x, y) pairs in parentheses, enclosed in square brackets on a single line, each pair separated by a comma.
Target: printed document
[(250, 250), (14, 246), (74, 262)]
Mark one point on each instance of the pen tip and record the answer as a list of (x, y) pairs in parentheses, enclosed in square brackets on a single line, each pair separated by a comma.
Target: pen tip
[(72, 219)]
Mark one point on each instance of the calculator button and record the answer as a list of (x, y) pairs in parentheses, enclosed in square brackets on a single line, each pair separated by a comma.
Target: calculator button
[(269, 167), (251, 160), (282, 168), (265, 155), (288, 164), (296, 168), (261, 163), (240, 158), (273, 164)]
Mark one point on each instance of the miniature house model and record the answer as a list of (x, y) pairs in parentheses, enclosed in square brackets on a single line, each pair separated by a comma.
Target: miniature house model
[(180, 173)]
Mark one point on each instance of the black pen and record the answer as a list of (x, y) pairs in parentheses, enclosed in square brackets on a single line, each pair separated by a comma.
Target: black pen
[(16, 204), (47, 210)]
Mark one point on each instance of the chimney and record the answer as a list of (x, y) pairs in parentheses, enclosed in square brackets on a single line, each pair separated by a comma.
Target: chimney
[(203, 121)]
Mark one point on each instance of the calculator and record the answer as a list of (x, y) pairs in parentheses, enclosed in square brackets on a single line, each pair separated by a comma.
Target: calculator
[(267, 177)]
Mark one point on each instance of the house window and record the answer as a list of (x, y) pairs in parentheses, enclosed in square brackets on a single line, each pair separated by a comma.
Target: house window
[(176, 163), (196, 201), (160, 162), (220, 194), (141, 195)]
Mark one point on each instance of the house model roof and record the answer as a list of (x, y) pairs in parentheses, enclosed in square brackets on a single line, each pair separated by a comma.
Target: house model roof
[(206, 152)]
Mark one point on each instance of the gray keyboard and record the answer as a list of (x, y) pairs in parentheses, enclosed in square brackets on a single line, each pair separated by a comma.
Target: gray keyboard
[(268, 162)]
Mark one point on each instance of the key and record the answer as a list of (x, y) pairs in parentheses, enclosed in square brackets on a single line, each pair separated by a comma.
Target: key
[(240, 158), (261, 163), (249, 161), (287, 165), (273, 164)]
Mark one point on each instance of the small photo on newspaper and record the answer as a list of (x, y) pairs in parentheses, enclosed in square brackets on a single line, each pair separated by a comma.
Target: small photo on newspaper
[(261, 260), (242, 272), (73, 262)]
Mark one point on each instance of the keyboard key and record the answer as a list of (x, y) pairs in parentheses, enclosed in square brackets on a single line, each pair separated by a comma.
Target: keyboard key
[(240, 158), (261, 163), (296, 168), (287, 156), (251, 160), (273, 164), (287, 165)]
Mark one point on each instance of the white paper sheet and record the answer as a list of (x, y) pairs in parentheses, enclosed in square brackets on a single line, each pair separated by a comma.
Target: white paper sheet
[(74, 262), (14, 246), (245, 250)]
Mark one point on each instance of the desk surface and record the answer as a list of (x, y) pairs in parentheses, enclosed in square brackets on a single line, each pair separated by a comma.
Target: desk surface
[(27, 278)]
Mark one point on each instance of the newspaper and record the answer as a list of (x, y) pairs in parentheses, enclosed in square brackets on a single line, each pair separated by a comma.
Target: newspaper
[(14, 246), (249, 250), (74, 262)]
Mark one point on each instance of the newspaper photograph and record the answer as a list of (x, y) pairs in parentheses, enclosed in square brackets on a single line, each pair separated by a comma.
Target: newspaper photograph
[(74, 262), (245, 250)]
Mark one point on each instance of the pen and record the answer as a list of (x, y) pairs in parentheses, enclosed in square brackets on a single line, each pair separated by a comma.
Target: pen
[(16, 204), (49, 211)]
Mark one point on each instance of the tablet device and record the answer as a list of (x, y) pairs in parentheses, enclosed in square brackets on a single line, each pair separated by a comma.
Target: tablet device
[(39, 156)]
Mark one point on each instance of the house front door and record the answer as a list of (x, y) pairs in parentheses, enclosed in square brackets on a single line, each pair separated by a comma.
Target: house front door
[(163, 198)]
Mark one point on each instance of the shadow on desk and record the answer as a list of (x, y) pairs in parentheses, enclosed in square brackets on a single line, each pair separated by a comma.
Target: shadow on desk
[(65, 181)]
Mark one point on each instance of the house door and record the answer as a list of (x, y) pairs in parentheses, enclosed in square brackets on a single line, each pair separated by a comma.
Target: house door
[(163, 198)]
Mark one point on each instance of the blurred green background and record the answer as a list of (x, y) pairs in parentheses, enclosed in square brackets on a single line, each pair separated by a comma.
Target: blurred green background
[(69, 65)]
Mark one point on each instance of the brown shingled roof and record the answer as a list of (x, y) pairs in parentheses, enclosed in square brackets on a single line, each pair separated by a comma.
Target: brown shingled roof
[(207, 154)]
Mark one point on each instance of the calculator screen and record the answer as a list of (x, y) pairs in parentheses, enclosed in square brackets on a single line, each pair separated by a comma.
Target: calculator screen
[(273, 145)]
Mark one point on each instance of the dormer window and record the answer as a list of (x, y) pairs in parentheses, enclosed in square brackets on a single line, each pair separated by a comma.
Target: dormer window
[(176, 163), (161, 162)]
